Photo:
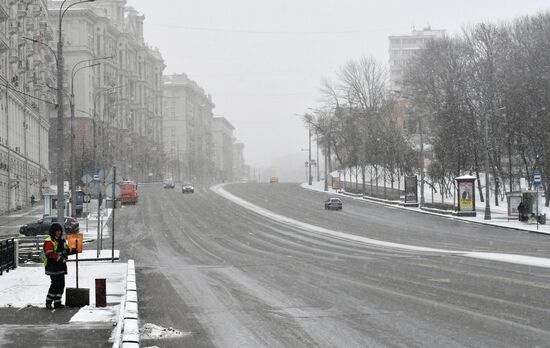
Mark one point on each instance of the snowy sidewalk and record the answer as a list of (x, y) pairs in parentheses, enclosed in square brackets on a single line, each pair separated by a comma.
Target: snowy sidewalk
[(24, 322), (499, 214)]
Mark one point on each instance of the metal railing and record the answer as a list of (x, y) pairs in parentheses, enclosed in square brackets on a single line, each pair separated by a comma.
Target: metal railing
[(30, 249), (8, 255)]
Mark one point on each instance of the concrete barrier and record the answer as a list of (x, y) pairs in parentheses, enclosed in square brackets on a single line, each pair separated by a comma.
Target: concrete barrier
[(128, 332)]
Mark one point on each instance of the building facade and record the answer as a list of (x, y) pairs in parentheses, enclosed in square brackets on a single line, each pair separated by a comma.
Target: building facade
[(26, 101), (187, 130), (240, 169), (118, 103), (224, 141), (403, 47)]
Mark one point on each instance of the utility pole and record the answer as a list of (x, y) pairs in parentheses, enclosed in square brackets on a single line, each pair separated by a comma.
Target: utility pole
[(309, 152), (72, 106), (60, 126), (318, 165), (421, 160), (326, 171), (487, 182)]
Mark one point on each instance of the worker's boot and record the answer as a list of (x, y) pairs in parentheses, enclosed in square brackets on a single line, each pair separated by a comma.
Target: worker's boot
[(49, 304), (58, 305)]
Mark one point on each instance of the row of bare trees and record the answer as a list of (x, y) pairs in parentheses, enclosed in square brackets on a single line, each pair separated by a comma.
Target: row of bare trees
[(359, 126), (483, 97), (486, 97)]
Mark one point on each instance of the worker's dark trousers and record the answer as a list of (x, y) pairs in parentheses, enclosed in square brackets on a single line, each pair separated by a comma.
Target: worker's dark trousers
[(56, 289)]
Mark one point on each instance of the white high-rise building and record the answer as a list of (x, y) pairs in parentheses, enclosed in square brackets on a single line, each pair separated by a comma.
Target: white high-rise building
[(403, 47)]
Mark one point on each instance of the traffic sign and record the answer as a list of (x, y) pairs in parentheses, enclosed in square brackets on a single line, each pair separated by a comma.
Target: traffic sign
[(87, 179), (109, 177), (109, 190), (537, 178)]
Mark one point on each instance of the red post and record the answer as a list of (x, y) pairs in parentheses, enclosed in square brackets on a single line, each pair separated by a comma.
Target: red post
[(77, 263), (100, 293)]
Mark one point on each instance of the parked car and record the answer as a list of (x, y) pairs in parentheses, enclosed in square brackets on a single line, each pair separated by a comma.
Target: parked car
[(333, 204), (169, 184), (187, 188), (42, 226)]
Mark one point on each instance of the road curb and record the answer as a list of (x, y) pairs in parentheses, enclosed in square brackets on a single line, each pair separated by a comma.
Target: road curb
[(128, 324)]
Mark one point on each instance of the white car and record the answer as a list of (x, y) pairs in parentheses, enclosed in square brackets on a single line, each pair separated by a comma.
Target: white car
[(187, 188)]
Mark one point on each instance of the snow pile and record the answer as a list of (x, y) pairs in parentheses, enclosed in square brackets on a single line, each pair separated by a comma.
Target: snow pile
[(154, 332), (91, 314)]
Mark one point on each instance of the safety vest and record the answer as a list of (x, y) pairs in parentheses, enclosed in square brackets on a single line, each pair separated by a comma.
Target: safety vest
[(52, 266)]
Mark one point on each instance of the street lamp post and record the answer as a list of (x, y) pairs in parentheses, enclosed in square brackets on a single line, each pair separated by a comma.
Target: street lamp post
[(487, 199), (94, 112), (60, 111), (74, 71), (309, 155)]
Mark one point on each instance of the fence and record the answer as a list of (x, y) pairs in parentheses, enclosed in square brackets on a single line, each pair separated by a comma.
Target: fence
[(8, 255), (30, 249)]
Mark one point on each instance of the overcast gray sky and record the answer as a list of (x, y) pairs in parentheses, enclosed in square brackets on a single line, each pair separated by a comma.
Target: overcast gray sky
[(263, 61)]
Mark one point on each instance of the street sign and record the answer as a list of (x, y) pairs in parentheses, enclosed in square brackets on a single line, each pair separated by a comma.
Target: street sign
[(109, 190), (537, 178), (109, 177), (96, 188), (87, 179)]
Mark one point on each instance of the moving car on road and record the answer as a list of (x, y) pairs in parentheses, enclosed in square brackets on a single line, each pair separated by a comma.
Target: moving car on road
[(42, 226), (333, 204), (187, 188), (169, 184), (273, 179)]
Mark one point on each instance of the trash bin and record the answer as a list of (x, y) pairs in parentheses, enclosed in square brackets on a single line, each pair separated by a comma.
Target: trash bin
[(542, 219)]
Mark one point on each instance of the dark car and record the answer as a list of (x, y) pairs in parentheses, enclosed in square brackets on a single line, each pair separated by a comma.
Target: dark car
[(187, 188), (42, 226), (333, 204)]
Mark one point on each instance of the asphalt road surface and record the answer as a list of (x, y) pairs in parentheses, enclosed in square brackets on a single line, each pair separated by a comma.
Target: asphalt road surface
[(226, 276), (10, 223)]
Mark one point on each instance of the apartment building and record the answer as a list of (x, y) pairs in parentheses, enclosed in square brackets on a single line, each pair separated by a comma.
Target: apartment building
[(187, 129), (26, 102), (118, 103)]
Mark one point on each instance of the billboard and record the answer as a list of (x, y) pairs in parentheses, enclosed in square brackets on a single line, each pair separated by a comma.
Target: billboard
[(466, 195), (411, 189)]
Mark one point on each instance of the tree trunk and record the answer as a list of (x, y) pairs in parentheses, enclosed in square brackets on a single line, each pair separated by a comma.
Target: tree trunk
[(510, 173), (476, 164), (363, 182)]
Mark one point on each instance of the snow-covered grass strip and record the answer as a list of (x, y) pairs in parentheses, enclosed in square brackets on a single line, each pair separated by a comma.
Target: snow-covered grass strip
[(499, 257)]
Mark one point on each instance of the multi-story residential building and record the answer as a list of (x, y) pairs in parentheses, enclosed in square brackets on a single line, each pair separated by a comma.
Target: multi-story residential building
[(240, 170), (403, 47), (26, 69), (118, 103), (187, 129), (222, 132)]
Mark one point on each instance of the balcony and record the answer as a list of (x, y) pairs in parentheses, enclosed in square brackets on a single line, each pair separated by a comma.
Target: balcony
[(4, 14), (4, 43), (13, 26), (14, 57)]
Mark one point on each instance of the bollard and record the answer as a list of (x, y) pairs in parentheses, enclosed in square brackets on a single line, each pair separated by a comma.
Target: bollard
[(100, 293)]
